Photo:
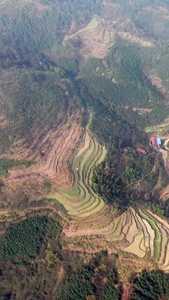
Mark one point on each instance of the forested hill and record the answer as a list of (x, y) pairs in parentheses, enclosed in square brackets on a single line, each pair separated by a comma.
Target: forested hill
[(80, 82), (103, 51), (99, 63)]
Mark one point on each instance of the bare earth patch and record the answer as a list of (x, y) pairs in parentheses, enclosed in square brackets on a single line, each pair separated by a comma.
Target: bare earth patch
[(134, 39), (3, 121), (157, 82), (126, 293), (141, 111), (95, 38)]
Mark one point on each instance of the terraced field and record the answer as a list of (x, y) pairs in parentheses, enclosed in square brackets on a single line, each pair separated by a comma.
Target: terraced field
[(144, 234), (80, 200), (136, 232), (140, 233), (52, 156), (160, 129), (96, 38)]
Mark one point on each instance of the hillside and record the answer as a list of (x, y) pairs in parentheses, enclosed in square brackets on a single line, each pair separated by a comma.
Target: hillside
[(83, 86)]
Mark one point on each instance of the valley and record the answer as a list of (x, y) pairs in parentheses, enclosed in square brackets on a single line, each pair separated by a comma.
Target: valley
[(84, 183)]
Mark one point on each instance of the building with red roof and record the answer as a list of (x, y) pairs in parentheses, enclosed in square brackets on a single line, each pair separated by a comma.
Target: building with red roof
[(142, 151), (156, 142)]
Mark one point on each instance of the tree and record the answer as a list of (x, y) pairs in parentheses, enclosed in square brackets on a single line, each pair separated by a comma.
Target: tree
[(105, 182)]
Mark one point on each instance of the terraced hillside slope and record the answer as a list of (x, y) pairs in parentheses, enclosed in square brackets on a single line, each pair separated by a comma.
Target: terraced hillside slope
[(136, 231), (80, 200), (99, 35), (79, 82), (141, 233), (52, 156)]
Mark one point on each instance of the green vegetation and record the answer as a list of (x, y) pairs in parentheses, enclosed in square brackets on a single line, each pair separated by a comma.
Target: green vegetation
[(47, 82), (157, 240), (105, 183), (6, 164), (112, 289), (94, 279), (99, 280), (78, 285), (91, 26), (124, 170), (38, 64), (152, 285), (48, 30), (133, 90), (25, 238), (81, 200)]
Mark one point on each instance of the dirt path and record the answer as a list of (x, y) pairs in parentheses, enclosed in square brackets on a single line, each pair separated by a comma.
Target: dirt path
[(81, 232), (82, 250), (126, 293), (164, 155), (165, 144), (29, 210), (164, 193)]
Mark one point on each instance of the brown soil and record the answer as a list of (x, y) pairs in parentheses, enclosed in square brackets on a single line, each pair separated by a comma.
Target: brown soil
[(157, 82), (82, 250), (126, 293), (164, 194), (3, 121), (134, 39), (53, 156), (81, 232), (95, 42)]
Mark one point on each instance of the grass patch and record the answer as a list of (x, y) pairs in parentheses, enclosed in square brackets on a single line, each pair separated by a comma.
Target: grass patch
[(92, 26)]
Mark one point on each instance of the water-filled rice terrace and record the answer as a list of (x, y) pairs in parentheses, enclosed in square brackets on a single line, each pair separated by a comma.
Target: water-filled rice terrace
[(144, 234), (138, 232)]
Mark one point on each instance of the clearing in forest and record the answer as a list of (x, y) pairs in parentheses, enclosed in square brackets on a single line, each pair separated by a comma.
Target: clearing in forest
[(95, 38)]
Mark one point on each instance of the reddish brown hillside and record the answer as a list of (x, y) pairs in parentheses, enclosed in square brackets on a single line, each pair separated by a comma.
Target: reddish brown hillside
[(53, 156)]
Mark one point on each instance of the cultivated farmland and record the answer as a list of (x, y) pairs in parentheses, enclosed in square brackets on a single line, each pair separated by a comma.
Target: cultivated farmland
[(140, 233), (96, 38), (80, 200)]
